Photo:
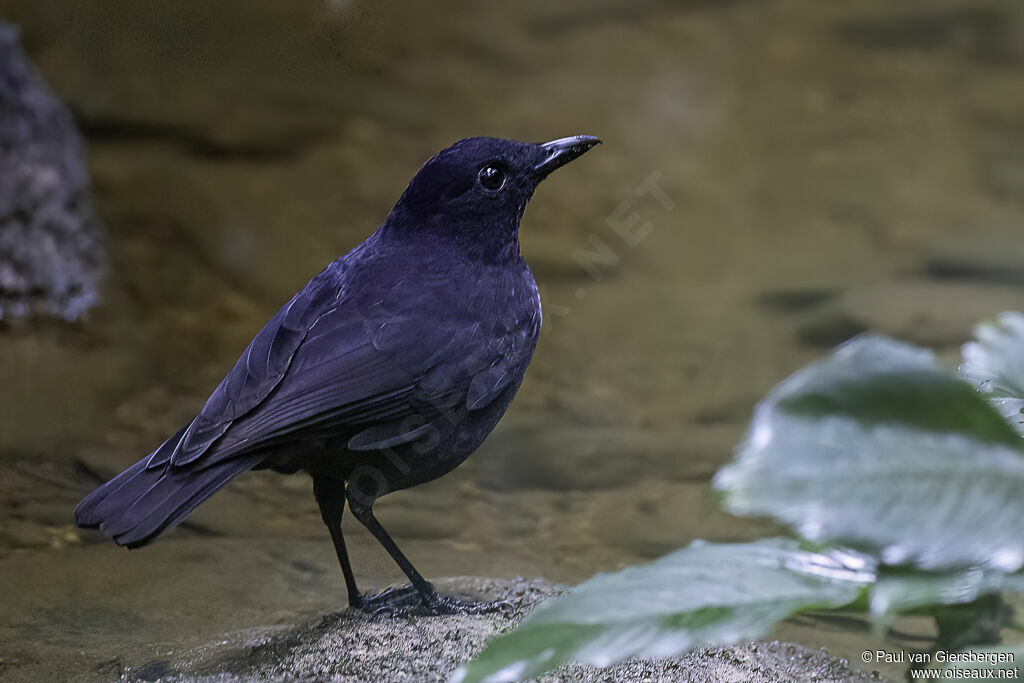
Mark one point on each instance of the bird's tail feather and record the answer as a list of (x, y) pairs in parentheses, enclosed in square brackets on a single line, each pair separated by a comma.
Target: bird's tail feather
[(137, 505)]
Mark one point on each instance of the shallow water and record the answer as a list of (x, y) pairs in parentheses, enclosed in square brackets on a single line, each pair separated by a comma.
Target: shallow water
[(826, 168)]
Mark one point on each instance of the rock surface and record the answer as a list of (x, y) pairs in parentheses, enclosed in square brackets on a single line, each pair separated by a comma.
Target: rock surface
[(938, 314), (351, 646), (51, 252), (994, 258)]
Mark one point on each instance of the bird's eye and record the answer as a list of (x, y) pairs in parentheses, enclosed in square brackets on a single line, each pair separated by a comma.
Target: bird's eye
[(492, 177)]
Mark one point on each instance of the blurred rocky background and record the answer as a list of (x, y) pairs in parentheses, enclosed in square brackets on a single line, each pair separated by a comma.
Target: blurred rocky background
[(51, 252)]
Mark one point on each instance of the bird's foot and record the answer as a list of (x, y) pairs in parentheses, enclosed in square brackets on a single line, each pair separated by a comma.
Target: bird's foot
[(409, 601), (439, 604), (390, 601)]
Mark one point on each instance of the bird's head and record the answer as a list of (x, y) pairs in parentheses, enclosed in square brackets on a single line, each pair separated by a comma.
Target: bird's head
[(475, 191)]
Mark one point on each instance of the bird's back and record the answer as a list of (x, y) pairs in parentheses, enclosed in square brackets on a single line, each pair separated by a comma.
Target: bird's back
[(409, 342)]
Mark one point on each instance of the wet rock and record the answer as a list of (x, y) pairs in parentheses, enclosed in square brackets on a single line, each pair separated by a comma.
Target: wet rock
[(559, 458), (699, 450), (827, 327), (37, 497), (350, 646), (820, 323), (796, 299), (424, 514), (934, 314), (999, 153), (233, 513), (996, 258), (50, 513), (736, 409), (547, 455), (23, 534), (50, 245), (152, 671), (645, 525)]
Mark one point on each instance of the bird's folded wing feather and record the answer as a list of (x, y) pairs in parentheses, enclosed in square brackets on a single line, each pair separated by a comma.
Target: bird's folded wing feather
[(361, 359)]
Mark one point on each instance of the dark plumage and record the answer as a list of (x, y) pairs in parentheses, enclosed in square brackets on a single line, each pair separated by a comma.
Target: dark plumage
[(387, 370)]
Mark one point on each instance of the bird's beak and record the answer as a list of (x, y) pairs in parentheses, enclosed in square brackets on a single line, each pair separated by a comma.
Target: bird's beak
[(562, 151)]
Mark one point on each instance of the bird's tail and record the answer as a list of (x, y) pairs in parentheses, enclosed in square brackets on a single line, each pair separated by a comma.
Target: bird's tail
[(137, 505)]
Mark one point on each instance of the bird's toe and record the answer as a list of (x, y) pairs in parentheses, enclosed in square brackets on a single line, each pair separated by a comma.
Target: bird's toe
[(391, 601), (447, 604), (408, 601)]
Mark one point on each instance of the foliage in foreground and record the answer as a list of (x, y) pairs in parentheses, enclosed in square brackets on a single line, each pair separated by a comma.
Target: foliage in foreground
[(904, 482)]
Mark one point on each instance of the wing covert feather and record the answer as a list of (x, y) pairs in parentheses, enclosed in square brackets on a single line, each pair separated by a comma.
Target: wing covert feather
[(338, 357)]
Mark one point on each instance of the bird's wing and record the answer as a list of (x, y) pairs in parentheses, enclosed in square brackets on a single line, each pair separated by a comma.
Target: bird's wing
[(257, 373), (358, 358)]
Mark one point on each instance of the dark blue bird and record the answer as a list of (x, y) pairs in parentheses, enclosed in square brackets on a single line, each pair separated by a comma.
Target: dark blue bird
[(386, 371)]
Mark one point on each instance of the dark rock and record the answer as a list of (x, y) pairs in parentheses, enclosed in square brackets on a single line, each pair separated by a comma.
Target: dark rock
[(152, 671), (736, 409), (1000, 157), (51, 252), (937, 314), (930, 314), (992, 258), (796, 299), (828, 327)]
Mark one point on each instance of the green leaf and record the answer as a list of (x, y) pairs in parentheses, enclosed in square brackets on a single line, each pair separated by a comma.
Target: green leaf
[(895, 593), (878, 448), (701, 594), (995, 364)]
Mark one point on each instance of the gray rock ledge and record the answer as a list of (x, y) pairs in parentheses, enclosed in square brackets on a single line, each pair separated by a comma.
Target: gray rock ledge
[(350, 646)]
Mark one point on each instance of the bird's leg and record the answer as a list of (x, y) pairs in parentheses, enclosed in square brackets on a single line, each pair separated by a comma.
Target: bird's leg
[(330, 496), (398, 600), (364, 513)]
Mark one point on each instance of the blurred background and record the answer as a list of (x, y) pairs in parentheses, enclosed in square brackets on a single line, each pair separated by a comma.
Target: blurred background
[(822, 169)]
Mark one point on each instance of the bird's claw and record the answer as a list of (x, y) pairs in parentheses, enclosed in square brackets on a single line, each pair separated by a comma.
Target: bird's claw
[(409, 601)]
